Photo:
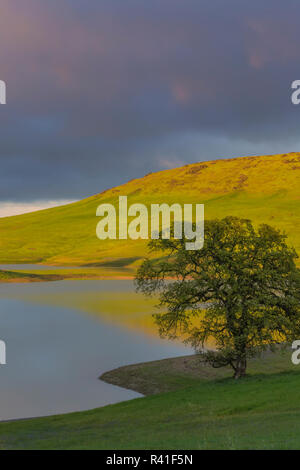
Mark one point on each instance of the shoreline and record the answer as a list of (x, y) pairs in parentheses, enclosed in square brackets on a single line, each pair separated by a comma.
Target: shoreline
[(185, 406), (163, 375), (126, 377), (100, 278), (63, 274)]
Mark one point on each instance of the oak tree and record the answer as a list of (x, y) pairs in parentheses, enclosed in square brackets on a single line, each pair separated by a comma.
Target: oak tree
[(231, 300)]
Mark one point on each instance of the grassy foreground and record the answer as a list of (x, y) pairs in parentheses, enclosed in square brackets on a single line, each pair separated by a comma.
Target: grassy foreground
[(192, 408)]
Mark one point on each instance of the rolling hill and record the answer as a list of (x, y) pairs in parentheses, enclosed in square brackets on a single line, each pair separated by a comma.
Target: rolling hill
[(262, 188)]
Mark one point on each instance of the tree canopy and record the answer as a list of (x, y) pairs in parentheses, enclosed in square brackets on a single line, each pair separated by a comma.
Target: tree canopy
[(234, 298)]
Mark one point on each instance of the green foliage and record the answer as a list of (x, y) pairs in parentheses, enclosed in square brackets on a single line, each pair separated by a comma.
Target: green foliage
[(241, 291)]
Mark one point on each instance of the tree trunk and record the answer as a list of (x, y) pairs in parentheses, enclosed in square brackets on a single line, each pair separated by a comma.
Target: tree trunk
[(240, 369)]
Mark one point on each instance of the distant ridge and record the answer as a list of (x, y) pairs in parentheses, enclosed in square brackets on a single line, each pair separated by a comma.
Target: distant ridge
[(262, 188)]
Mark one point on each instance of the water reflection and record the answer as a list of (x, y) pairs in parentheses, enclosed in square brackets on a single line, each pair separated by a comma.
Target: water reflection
[(55, 352)]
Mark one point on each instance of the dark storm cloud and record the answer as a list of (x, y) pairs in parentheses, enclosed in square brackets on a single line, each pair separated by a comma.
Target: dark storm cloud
[(106, 90)]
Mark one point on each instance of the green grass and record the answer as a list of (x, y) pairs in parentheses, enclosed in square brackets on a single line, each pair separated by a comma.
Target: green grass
[(261, 411), (176, 373), (264, 189)]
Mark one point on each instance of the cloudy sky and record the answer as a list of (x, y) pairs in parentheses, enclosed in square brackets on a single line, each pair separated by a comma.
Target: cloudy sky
[(102, 91)]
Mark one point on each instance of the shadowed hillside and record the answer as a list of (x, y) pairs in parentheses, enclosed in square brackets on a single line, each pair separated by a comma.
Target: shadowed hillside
[(264, 189)]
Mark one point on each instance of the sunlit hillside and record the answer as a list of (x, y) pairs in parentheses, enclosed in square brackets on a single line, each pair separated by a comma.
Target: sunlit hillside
[(264, 189)]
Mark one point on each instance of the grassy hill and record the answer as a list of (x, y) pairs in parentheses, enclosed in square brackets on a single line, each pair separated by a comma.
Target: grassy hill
[(262, 188), (191, 409)]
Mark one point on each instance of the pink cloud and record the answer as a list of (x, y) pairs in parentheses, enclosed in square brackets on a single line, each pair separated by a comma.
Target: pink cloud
[(268, 42), (181, 93)]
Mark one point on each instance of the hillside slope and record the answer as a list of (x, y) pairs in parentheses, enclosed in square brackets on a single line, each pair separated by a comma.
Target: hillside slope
[(263, 188)]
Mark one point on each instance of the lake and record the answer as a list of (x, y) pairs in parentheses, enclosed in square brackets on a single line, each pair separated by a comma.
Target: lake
[(56, 350)]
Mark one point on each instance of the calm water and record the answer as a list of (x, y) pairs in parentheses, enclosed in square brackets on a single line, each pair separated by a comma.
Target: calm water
[(55, 355)]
